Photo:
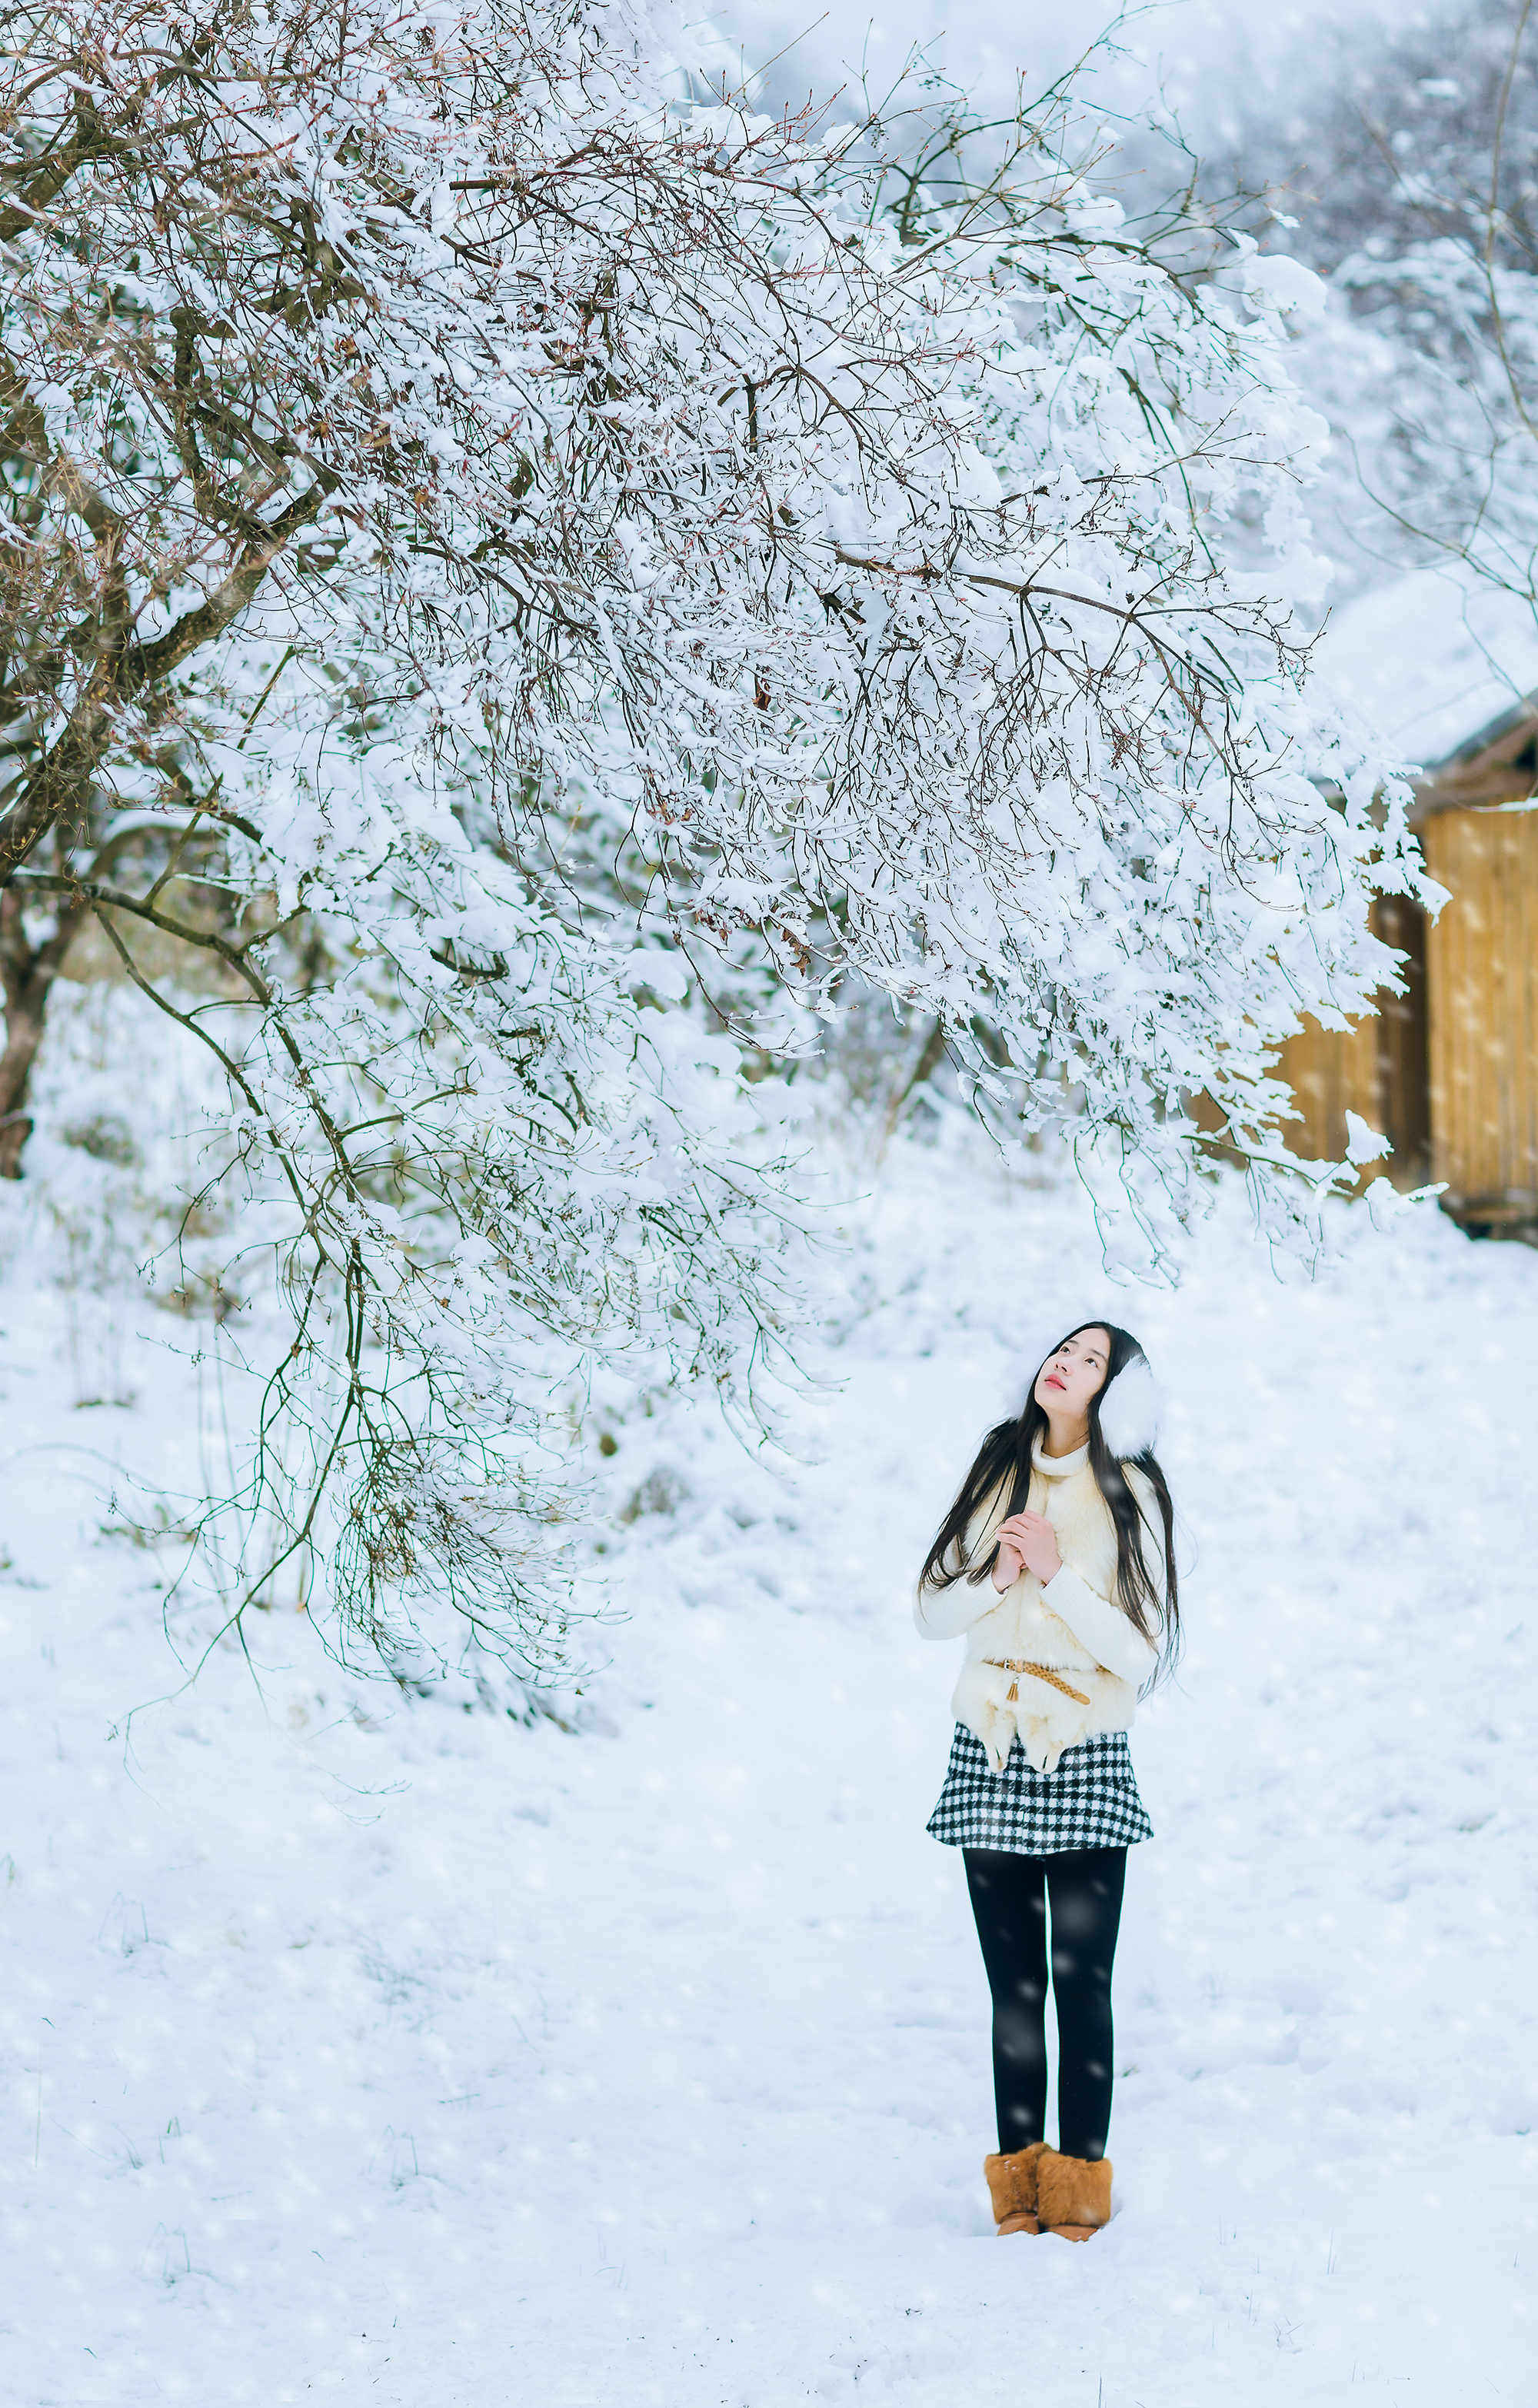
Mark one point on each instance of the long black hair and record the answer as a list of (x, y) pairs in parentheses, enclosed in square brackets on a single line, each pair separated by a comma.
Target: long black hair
[(1006, 1453)]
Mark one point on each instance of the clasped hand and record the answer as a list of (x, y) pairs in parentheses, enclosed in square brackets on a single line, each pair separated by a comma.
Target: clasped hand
[(1026, 1541)]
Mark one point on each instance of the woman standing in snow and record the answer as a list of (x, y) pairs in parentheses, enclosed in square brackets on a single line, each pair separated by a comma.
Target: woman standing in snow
[(1057, 1561)]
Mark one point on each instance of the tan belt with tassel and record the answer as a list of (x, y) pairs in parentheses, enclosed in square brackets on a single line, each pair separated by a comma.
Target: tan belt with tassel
[(1040, 1671)]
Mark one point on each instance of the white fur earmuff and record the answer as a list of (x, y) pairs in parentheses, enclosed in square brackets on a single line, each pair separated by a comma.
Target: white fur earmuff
[(1129, 1411)]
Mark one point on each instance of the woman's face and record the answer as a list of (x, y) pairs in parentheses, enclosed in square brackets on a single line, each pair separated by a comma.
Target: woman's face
[(1068, 1379)]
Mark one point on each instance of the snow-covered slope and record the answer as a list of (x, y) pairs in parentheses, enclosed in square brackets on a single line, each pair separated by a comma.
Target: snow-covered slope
[(408, 2055)]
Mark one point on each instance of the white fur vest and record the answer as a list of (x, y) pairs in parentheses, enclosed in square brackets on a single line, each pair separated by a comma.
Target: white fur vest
[(1071, 1628)]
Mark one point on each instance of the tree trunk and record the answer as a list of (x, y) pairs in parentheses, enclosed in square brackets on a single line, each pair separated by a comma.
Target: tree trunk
[(28, 972), (930, 1056)]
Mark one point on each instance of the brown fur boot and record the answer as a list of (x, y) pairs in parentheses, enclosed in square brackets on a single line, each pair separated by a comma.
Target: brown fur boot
[(1073, 2197), (1011, 2188)]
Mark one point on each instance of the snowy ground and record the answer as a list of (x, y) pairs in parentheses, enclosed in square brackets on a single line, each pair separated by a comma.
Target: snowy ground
[(441, 2061)]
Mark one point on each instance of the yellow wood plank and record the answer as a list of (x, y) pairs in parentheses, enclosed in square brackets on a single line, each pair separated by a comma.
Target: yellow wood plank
[(1482, 979), (1375, 1068)]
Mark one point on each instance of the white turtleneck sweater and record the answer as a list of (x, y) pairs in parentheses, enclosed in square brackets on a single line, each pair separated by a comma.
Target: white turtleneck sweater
[(1070, 1626)]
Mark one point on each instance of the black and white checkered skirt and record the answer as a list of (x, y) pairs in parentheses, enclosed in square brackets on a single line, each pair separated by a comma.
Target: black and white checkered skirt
[(1090, 1801)]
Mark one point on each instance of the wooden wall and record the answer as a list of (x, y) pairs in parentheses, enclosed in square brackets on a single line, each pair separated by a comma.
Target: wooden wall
[(1378, 1069), (1448, 1070), (1331, 1072), (1482, 993)]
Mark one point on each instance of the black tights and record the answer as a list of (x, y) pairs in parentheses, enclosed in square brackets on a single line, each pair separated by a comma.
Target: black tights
[(1009, 1897)]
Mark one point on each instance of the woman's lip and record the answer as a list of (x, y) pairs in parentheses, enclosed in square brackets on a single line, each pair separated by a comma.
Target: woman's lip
[(1053, 1381)]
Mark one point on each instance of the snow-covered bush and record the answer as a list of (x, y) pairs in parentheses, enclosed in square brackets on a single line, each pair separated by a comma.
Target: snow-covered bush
[(497, 548), (1406, 161)]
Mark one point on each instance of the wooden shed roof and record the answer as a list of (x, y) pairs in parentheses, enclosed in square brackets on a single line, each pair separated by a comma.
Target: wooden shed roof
[(1498, 764), (1447, 665)]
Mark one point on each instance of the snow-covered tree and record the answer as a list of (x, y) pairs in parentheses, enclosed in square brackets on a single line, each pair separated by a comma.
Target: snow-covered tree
[(1407, 171), (496, 543)]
